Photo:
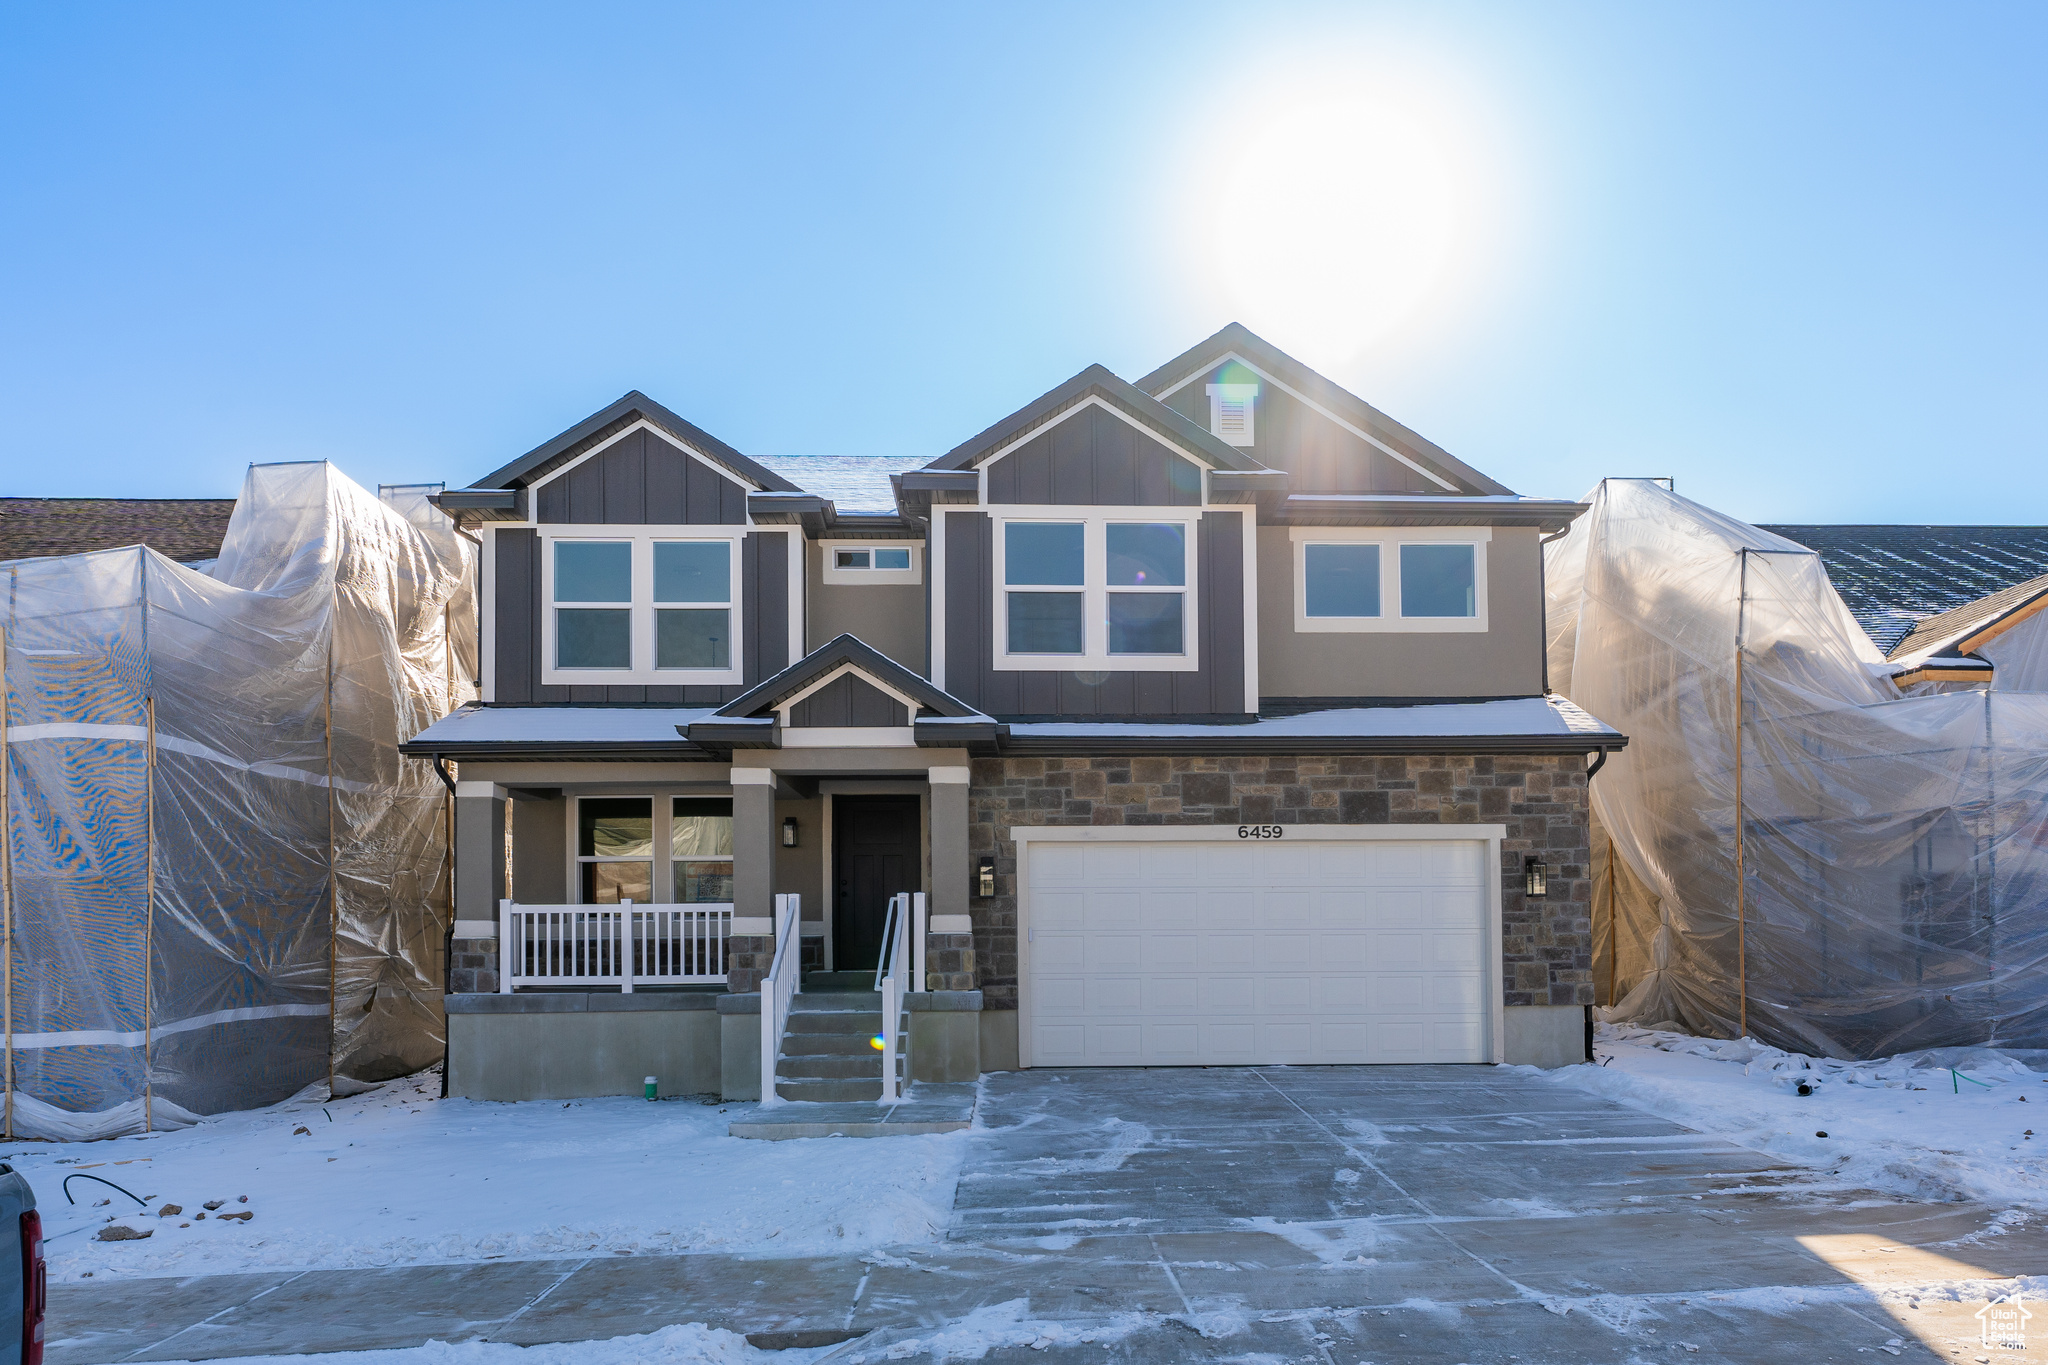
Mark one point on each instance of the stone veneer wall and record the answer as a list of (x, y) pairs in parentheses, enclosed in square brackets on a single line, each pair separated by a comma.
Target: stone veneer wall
[(1547, 945), (473, 966)]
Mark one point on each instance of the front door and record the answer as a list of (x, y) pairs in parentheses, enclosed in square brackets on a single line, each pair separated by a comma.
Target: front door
[(875, 854)]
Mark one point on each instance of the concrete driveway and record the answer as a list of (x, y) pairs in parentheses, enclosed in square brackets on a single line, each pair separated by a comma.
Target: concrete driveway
[(1333, 1214)]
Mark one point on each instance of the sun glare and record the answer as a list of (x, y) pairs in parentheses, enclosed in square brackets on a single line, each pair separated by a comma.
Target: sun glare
[(1337, 218)]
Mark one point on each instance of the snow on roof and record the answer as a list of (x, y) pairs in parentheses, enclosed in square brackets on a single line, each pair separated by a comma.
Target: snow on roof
[(854, 483), (1894, 577), (1538, 716), (564, 725)]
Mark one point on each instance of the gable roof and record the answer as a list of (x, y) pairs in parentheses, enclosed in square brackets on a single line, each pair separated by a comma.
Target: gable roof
[(1893, 578), (749, 721), (536, 464), (1098, 382), (1975, 624), (184, 529), (1238, 340)]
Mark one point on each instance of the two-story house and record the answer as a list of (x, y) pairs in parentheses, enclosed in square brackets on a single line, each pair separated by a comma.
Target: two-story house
[(1207, 713)]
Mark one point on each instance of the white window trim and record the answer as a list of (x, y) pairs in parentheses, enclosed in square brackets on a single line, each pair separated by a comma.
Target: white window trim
[(1095, 590), (1390, 539), (862, 577), (1219, 394), (643, 672), (664, 887)]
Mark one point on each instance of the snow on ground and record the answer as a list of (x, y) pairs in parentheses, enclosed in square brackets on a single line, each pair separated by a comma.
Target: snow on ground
[(398, 1175), (1903, 1125), (692, 1344)]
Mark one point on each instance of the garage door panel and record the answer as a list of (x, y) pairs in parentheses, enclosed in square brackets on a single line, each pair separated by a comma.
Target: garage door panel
[(1204, 953)]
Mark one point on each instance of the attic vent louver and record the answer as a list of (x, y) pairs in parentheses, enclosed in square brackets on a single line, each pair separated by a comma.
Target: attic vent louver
[(1230, 412)]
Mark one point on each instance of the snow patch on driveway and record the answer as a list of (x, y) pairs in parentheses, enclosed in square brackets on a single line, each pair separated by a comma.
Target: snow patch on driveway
[(398, 1176), (1900, 1125)]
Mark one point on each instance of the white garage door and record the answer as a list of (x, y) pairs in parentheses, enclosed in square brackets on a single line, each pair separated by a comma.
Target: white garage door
[(1221, 952)]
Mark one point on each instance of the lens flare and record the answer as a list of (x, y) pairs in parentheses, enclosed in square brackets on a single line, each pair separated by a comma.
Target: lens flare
[(876, 1042)]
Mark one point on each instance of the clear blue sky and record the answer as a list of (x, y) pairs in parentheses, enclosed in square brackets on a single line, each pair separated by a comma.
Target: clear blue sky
[(1792, 255)]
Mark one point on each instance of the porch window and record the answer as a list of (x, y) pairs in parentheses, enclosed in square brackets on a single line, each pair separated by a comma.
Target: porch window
[(615, 849), (700, 851)]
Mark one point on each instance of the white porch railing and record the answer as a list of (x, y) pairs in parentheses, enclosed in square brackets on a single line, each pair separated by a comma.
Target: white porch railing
[(893, 980), (779, 988), (624, 945)]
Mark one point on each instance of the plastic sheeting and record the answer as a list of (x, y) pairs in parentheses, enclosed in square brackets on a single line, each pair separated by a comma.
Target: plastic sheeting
[(1893, 892), (222, 878)]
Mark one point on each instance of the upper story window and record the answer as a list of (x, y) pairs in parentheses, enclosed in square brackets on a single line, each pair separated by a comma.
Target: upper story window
[(1424, 578), (1232, 408), (872, 561), (640, 607), (649, 849), (1097, 591)]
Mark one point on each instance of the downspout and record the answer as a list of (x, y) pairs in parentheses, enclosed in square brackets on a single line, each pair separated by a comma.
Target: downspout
[(1543, 618), (448, 937)]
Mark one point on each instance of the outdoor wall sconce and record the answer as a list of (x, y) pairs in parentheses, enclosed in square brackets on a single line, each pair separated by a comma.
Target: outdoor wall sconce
[(1535, 877), (789, 831), (985, 876)]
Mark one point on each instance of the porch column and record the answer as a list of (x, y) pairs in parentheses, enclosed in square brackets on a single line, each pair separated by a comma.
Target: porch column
[(752, 949), (949, 944), (479, 886)]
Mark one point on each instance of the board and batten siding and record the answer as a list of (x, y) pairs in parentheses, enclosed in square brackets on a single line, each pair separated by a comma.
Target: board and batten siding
[(641, 480), (848, 701), (1215, 689), (1092, 457), (1322, 456), (764, 628)]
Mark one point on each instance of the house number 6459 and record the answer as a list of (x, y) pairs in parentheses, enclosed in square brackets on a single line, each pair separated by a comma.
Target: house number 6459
[(1260, 831)]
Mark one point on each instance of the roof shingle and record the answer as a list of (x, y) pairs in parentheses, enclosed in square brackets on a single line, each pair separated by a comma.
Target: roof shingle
[(1894, 577), (184, 529)]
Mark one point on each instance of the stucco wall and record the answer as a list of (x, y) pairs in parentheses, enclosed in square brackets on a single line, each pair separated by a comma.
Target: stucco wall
[(887, 616), (1506, 660)]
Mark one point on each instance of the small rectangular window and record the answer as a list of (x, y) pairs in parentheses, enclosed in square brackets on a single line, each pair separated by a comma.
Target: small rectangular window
[(892, 559), (853, 559), (1342, 580), (1438, 580)]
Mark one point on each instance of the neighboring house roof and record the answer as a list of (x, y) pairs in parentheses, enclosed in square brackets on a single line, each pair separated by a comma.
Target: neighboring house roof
[(1097, 382), (184, 529), (1973, 625), (536, 464), (1239, 340), (853, 483), (1894, 577)]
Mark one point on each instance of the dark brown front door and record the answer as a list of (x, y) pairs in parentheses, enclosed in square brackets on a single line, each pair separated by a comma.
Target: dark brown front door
[(875, 849)]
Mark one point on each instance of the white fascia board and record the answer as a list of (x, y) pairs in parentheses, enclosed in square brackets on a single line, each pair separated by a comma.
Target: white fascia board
[(533, 489)]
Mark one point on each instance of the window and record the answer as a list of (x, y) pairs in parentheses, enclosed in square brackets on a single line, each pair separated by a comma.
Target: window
[(1438, 580), (1342, 580), (640, 607), (1231, 410), (588, 572), (698, 572), (867, 561), (1390, 579), (620, 840), (700, 851), (1100, 591)]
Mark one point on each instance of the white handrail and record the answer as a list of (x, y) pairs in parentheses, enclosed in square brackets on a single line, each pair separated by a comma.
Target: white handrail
[(778, 988), (625, 945), (894, 981), (919, 925)]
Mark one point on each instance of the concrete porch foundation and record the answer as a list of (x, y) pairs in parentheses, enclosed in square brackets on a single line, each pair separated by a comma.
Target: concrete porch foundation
[(566, 1045)]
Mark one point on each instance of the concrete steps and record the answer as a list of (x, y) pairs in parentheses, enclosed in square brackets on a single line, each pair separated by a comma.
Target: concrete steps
[(827, 1056)]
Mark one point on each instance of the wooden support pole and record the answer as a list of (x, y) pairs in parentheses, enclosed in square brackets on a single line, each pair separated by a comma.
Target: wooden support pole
[(148, 913), (333, 906), (1741, 910), (6, 885)]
